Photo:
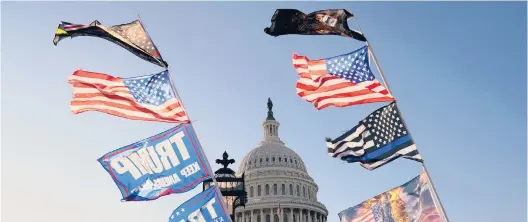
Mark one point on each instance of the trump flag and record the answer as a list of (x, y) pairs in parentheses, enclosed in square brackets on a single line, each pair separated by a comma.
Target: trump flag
[(166, 163), (205, 207)]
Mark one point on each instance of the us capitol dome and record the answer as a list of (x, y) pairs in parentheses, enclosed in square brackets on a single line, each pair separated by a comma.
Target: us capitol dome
[(276, 176)]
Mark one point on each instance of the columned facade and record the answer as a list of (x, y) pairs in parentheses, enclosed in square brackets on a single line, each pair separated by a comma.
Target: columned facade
[(289, 215), (275, 175)]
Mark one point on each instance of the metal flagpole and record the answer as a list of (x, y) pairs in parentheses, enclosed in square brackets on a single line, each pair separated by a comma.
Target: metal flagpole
[(181, 103), (211, 172), (197, 139), (371, 51)]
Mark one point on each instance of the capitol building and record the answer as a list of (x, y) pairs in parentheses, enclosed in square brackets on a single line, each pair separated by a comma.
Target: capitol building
[(276, 176)]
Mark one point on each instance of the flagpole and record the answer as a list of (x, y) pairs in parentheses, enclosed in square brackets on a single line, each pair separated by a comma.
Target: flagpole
[(192, 127), (181, 103), (433, 188), (371, 51), (211, 172), (197, 139)]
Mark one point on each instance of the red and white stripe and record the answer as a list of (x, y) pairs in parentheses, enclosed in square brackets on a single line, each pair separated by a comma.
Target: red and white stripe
[(366, 217), (71, 27), (320, 88), (104, 93)]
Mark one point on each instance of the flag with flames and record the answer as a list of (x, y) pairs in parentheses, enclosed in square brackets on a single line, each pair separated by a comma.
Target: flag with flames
[(410, 202)]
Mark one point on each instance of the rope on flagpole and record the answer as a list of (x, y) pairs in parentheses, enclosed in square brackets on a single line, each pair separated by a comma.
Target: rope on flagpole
[(371, 51)]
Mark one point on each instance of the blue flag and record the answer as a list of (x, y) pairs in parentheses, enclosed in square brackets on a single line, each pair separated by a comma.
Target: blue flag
[(204, 207), (169, 162)]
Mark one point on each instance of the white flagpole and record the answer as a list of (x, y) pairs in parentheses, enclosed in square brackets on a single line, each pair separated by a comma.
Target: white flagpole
[(181, 103), (371, 51), (211, 172)]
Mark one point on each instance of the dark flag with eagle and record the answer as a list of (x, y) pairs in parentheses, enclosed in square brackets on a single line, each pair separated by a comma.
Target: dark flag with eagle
[(322, 22)]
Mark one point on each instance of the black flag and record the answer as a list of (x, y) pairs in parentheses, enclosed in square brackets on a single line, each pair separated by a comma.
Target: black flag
[(323, 22), (131, 36)]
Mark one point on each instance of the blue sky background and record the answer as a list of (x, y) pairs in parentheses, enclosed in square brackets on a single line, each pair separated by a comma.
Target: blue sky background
[(458, 70)]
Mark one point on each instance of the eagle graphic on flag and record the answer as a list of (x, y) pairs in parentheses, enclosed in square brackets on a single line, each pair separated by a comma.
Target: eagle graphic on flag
[(321, 22), (410, 202)]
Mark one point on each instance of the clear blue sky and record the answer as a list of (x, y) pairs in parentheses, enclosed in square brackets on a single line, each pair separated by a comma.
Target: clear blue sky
[(458, 70)]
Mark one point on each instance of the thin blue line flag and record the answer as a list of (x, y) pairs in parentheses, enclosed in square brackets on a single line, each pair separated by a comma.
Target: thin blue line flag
[(166, 163), (204, 207), (377, 140)]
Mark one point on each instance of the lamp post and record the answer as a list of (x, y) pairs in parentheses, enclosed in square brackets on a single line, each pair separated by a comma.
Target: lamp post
[(232, 187)]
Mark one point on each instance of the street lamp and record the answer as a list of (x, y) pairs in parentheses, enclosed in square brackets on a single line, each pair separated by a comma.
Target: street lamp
[(232, 187)]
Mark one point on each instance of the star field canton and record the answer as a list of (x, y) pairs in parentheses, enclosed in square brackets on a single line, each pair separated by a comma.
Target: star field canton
[(376, 140), (377, 212), (149, 98), (138, 36), (153, 90), (339, 81), (353, 67)]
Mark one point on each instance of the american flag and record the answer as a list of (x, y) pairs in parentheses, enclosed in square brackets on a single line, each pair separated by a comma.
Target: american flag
[(378, 139), (361, 214), (339, 81), (149, 98), (366, 214), (70, 27), (377, 213)]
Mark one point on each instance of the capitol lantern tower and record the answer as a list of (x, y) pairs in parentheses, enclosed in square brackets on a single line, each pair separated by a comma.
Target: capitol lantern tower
[(276, 176)]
